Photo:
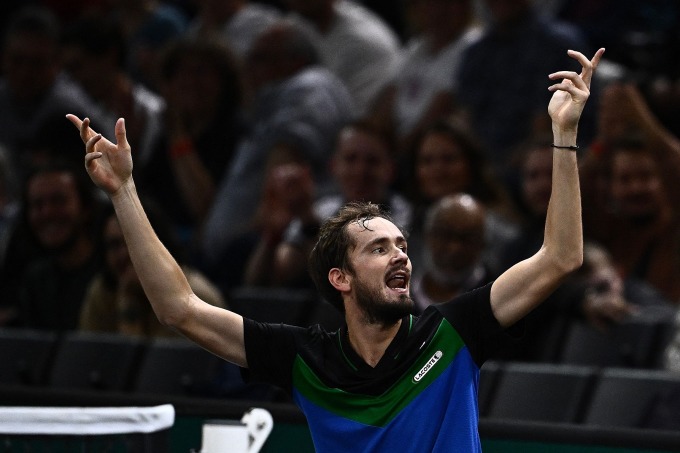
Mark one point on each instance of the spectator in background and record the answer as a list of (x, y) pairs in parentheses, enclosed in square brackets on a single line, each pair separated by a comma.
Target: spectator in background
[(534, 163), (640, 224), (506, 108), (278, 257), (454, 241), (363, 169), (201, 82), (148, 26), (423, 89), (608, 299), (353, 42), (597, 293), (35, 94), (298, 109), (237, 22), (94, 54), (115, 300), (54, 251), (449, 160), (633, 191)]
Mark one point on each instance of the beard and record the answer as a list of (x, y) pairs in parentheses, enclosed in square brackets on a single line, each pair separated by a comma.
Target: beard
[(380, 310)]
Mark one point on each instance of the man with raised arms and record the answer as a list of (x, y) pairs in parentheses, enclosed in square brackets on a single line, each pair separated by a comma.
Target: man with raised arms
[(385, 381)]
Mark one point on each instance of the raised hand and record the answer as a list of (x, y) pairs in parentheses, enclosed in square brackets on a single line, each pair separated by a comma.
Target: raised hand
[(108, 164), (571, 94)]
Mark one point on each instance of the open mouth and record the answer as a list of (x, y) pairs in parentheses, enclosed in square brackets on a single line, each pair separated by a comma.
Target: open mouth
[(398, 280)]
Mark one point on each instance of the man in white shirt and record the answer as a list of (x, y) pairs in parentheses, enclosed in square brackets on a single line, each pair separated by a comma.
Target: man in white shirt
[(353, 42)]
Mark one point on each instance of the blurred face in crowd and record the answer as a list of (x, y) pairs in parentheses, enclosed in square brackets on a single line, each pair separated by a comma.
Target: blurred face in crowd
[(454, 238), (55, 211), (441, 167), (537, 180), (636, 185), (603, 277), (195, 87), (362, 166), (30, 65)]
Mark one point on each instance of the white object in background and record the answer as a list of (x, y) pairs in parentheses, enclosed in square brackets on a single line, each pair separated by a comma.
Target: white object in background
[(245, 436), (85, 420)]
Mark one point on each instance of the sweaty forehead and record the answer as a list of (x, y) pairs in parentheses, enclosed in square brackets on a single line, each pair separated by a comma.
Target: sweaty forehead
[(365, 231)]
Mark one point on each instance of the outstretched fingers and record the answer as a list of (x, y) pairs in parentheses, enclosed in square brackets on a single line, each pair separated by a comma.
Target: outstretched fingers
[(594, 62), (83, 126), (582, 80), (121, 136), (90, 143), (588, 66), (77, 122), (571, 82)]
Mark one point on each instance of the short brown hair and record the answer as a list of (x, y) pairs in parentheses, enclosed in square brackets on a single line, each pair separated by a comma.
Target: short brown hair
[(333, 244)]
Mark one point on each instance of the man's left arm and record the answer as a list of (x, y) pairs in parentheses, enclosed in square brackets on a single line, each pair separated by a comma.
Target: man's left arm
[(525, 285)]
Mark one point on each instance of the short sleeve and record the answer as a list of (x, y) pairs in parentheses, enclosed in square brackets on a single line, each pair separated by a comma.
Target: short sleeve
[(470, 314), (270, 351)]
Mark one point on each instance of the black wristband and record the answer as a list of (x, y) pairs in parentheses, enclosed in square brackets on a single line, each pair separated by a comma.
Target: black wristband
[(571, 147)]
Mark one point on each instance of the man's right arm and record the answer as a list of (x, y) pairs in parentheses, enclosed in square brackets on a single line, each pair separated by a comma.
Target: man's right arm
[(215, 329)]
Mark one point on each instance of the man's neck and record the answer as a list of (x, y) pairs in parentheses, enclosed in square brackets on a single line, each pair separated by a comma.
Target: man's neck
[(370, 341)]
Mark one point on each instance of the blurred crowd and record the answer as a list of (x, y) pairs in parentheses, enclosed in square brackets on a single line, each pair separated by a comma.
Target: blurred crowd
[(251, 122)]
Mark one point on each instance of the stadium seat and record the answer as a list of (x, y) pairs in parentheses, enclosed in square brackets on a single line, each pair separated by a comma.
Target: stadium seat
[(175, 366), (25, 355), (488, 378), (626, 397), (541, 392), (628, 345), (276, 305), (95, 361)]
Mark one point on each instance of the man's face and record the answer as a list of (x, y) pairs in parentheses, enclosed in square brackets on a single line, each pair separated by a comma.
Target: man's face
[(381, 271), (441, 166), (55, 211), (362, 166), (636, 186)]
